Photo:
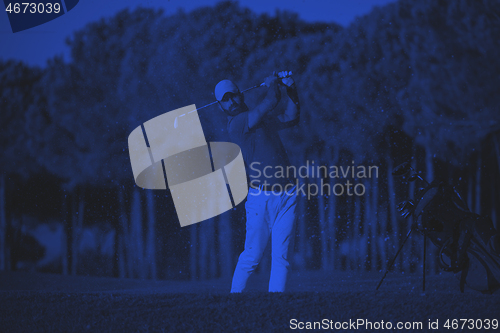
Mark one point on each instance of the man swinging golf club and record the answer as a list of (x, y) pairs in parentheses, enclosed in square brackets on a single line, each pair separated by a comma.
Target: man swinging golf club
[(271, 200)]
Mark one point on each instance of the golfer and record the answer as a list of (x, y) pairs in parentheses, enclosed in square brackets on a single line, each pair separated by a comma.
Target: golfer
[(271, 200)]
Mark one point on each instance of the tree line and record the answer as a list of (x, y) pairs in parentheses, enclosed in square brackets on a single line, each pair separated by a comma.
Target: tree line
[(411, 81)]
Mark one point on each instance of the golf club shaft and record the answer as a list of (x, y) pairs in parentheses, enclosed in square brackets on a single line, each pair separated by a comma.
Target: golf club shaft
[(257, 86), (287, 74), (197, 109)]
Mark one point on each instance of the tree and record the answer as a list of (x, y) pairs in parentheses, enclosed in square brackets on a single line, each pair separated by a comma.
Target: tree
[(18, 91)]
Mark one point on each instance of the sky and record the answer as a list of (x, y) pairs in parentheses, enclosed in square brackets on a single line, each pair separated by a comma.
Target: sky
[(36, 45)]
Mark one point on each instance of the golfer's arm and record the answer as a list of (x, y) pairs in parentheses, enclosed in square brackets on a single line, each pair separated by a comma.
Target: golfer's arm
[(257, 114), (293, 106)]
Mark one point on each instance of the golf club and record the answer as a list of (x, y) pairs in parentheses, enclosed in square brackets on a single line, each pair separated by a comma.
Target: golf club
[(248, 89)]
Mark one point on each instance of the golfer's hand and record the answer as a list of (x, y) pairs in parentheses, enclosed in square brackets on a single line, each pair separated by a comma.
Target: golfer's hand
[(291, 89), (286, 78), (271, 80), (273, 93)]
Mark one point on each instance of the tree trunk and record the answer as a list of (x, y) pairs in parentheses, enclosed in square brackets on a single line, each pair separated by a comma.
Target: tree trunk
[(203, 255), (128, 242), (193, 252), (355, 210), (392, 208), (332, 229), (136, 235), (13, 236), (383, 240), (72, 244), (76, 229), (375, 251), (120, 236), (332, 218), (497, 151), (429, 163), (432, 251), (470, 188), (478, 184), (324, 232), (494, 205), (302, 236), (364, 262), (353, 250), (415, 242), (3, 226), (64, 234), (212, 253), (225, 245), (494, 210), (151, 239), (208, 264)]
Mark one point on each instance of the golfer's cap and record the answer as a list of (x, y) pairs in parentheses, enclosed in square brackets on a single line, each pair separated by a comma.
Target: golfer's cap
[(223, 87)]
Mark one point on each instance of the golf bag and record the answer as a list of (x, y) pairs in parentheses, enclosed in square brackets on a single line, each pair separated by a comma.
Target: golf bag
[(469, 245)]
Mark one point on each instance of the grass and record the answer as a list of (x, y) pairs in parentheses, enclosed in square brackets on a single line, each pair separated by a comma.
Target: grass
[(41, 303)]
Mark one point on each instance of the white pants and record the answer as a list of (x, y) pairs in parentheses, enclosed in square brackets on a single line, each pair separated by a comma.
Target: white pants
[(268, 214)]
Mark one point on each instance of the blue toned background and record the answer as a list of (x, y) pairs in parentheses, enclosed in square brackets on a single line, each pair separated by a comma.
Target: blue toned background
[(379, 85)]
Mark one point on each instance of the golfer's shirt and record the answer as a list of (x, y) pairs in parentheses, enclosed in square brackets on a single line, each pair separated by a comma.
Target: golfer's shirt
[(265, 156)]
